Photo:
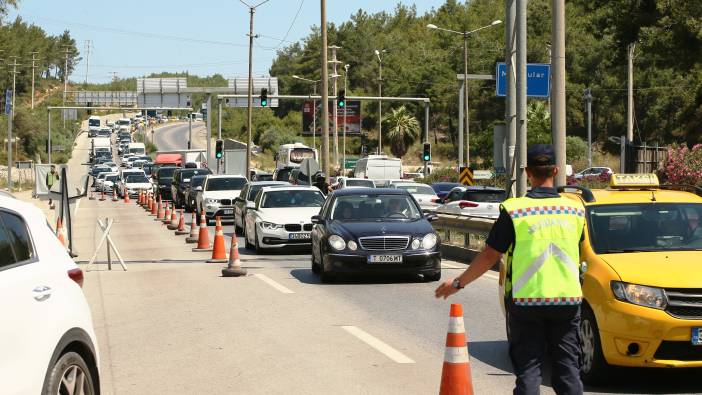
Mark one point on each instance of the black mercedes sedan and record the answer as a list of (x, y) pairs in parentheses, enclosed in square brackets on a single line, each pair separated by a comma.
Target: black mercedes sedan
[(363, 230)]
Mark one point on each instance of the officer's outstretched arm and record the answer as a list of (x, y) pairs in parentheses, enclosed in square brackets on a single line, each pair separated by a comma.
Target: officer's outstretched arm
[(482, 263)]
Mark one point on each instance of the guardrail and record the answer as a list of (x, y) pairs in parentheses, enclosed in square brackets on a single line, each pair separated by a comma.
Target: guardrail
[(473, 230)]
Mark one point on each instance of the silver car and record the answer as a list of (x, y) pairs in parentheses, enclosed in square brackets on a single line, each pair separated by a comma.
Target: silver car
[(475, 201)]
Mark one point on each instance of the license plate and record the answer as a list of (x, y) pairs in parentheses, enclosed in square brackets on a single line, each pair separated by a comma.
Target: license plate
[(299, 236), (697, 336), (228, 212), (385, 259)]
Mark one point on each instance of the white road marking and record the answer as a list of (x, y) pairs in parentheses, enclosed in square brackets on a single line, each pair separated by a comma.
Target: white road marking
[(492, 276), (273, 284), (377, 344), (452, 266)]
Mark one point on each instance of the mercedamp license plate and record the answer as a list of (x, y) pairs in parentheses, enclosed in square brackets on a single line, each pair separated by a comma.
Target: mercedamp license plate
[(299, 236), (385, 259), (228, 211), (697, 336)]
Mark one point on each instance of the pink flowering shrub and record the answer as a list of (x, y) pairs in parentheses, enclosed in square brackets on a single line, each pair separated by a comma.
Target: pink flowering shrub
[(684, 165)]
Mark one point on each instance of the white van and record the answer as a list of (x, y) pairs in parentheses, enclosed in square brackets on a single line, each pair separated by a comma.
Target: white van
[(379, 168), (137, 149)]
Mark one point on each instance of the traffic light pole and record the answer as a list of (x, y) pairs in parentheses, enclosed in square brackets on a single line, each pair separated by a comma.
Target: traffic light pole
[(219, 128)]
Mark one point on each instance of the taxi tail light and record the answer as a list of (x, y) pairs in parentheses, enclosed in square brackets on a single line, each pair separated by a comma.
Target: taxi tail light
[(465, 204), (76, 275)]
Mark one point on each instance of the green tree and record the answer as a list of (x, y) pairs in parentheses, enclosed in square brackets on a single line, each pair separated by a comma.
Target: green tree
[(402, 130), (538, 123)]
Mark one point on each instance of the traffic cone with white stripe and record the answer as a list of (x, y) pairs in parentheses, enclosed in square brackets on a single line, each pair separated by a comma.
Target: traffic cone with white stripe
[(193, 237), (173, 225), (234, 268), (59, 231), (126, 196), (154, 207), (167, 216), (203, 239), (161, 211), (150, 203), (102, 196), (219, 252), (181, 224), (455, 375), (114, 194), (140, 198), (92, 195)]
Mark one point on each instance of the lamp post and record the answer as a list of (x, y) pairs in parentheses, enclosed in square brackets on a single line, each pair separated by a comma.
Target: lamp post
[(346, 78), (380, 102), (314, 106), (465, 35)]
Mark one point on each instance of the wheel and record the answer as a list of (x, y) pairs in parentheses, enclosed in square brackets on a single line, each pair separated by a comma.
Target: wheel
[(433, 277), (315, 265), (593, 367), (247, 245), (259, 249), (70, 375), (324, 275), (237, 229)]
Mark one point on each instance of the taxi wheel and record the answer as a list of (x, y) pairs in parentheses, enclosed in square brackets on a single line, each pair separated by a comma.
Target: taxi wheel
[(593, 366)]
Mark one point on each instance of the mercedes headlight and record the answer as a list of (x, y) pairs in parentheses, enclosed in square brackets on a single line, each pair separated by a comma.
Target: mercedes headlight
[(352, 245), (429, 241), (641, 295), (416, 243), (270, 226), (337, 242)]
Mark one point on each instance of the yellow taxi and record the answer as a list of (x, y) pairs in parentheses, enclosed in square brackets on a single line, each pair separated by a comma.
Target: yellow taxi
[(641, 275)]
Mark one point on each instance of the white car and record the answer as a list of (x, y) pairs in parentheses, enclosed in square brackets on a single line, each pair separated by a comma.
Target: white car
[(246, 199), (346, 182), (132, 183), (47, 339), (422, 193), (216, 196), (282, 216), (112, 165), (109, 182), (593, 173), (475, 201)]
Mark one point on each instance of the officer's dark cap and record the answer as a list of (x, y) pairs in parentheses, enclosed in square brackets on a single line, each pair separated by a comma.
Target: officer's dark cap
[(541, 155)]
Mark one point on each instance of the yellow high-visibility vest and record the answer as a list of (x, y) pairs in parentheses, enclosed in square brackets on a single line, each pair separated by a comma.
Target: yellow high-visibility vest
[(543, 262)]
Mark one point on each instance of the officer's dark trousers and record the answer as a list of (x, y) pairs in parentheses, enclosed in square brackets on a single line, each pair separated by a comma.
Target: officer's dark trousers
[(534, 331)]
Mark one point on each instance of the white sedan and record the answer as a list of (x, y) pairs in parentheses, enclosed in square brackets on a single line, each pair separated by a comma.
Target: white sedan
[(476, 201), (47, 339), (216, 196), (133, 183), (347, 182), (423, 193), (282, 216)]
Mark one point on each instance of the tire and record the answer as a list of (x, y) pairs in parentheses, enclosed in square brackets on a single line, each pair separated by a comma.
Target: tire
[(315, 265), (433, 277), (237, 229), (324, 275), (593, 369), (259, 250), (247, 245), (70, 367)]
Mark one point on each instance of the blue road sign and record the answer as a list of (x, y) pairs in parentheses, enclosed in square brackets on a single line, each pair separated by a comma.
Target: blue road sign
[(8, 101), (538, 79)]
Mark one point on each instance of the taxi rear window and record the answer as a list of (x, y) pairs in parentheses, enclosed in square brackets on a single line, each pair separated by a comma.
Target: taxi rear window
[(642, 227)]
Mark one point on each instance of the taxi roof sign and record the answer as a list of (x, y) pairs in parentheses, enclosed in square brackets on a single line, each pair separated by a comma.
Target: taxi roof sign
[(639, 180)]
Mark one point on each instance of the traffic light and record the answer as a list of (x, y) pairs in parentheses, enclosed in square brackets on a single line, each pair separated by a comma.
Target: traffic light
[(426, 155), (341, 99), (219, 146), (264, 97)]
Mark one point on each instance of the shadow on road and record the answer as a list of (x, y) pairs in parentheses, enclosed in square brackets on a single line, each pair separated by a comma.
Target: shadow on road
[(306, 276)]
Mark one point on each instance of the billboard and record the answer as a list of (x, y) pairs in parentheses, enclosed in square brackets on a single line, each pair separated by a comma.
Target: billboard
[(352, 124)]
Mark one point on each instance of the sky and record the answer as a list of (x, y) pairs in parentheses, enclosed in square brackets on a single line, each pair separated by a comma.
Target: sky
[(136, 38)]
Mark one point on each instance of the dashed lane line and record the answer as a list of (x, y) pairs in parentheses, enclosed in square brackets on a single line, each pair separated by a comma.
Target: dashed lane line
[(378, 344), (273, 284)]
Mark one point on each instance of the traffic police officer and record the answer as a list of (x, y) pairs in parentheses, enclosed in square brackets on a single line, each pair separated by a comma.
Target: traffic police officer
[(541, 235)]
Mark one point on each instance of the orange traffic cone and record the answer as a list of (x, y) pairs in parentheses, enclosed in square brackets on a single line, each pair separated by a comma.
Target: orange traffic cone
[(161, 211), (59, 231), (114, 194), (154, 207), (140, 198), (219, 252), (92, 195), (167, 215), (173, 224), (181, 224), (455, 376), (193, 237), (149, 202), (203, 239), (126, 196), (102, 196), (233, 268)]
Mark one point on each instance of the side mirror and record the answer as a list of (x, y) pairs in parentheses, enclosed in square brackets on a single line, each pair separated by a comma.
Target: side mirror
[(251, 205), (317, 219), (199, 188), (431, 217)]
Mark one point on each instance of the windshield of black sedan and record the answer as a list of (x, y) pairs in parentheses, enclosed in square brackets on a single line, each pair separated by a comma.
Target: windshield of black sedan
[(645, 227), (292, 198), (374, 208)]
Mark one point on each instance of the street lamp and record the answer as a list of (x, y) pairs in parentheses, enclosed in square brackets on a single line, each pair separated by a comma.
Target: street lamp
[(380, 100), (346, 77), (314, 106), (465, 35)]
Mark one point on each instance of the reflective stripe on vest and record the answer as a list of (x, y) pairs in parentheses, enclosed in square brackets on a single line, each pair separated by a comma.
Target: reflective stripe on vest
[(543, 261)]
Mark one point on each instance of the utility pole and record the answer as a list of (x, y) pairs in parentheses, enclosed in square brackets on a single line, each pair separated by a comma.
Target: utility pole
[(465, 99), (558, 103), (66, 50), (588, 102), (34, 58), (521, 29), (10, 117), (380, 101), (314, 116), (510, 98), (114, 76), (335, 76), (88, 45), (219, 127), (208, 119), (630, 93), (346, 78), (325, 89)]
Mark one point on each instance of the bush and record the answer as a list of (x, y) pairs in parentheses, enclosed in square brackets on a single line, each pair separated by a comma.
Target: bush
[(683, 165), (576, 149)]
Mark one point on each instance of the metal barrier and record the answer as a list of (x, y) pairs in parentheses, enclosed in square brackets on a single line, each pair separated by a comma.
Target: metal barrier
[(466, 225)]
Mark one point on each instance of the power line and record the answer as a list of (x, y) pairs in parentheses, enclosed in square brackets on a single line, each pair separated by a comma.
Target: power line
[(291, 24)]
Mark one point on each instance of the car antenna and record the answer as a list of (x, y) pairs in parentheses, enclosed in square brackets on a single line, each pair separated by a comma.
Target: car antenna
[(653, 196)]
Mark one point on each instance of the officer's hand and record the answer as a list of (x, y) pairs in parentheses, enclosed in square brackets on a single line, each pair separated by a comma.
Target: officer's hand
[(445, 290)]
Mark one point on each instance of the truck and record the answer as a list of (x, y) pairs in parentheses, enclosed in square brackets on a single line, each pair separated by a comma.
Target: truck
[(292, 155), (182, 157), (136, 149), (100, 144), (235, 161), (379, 168), (93, 125)]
